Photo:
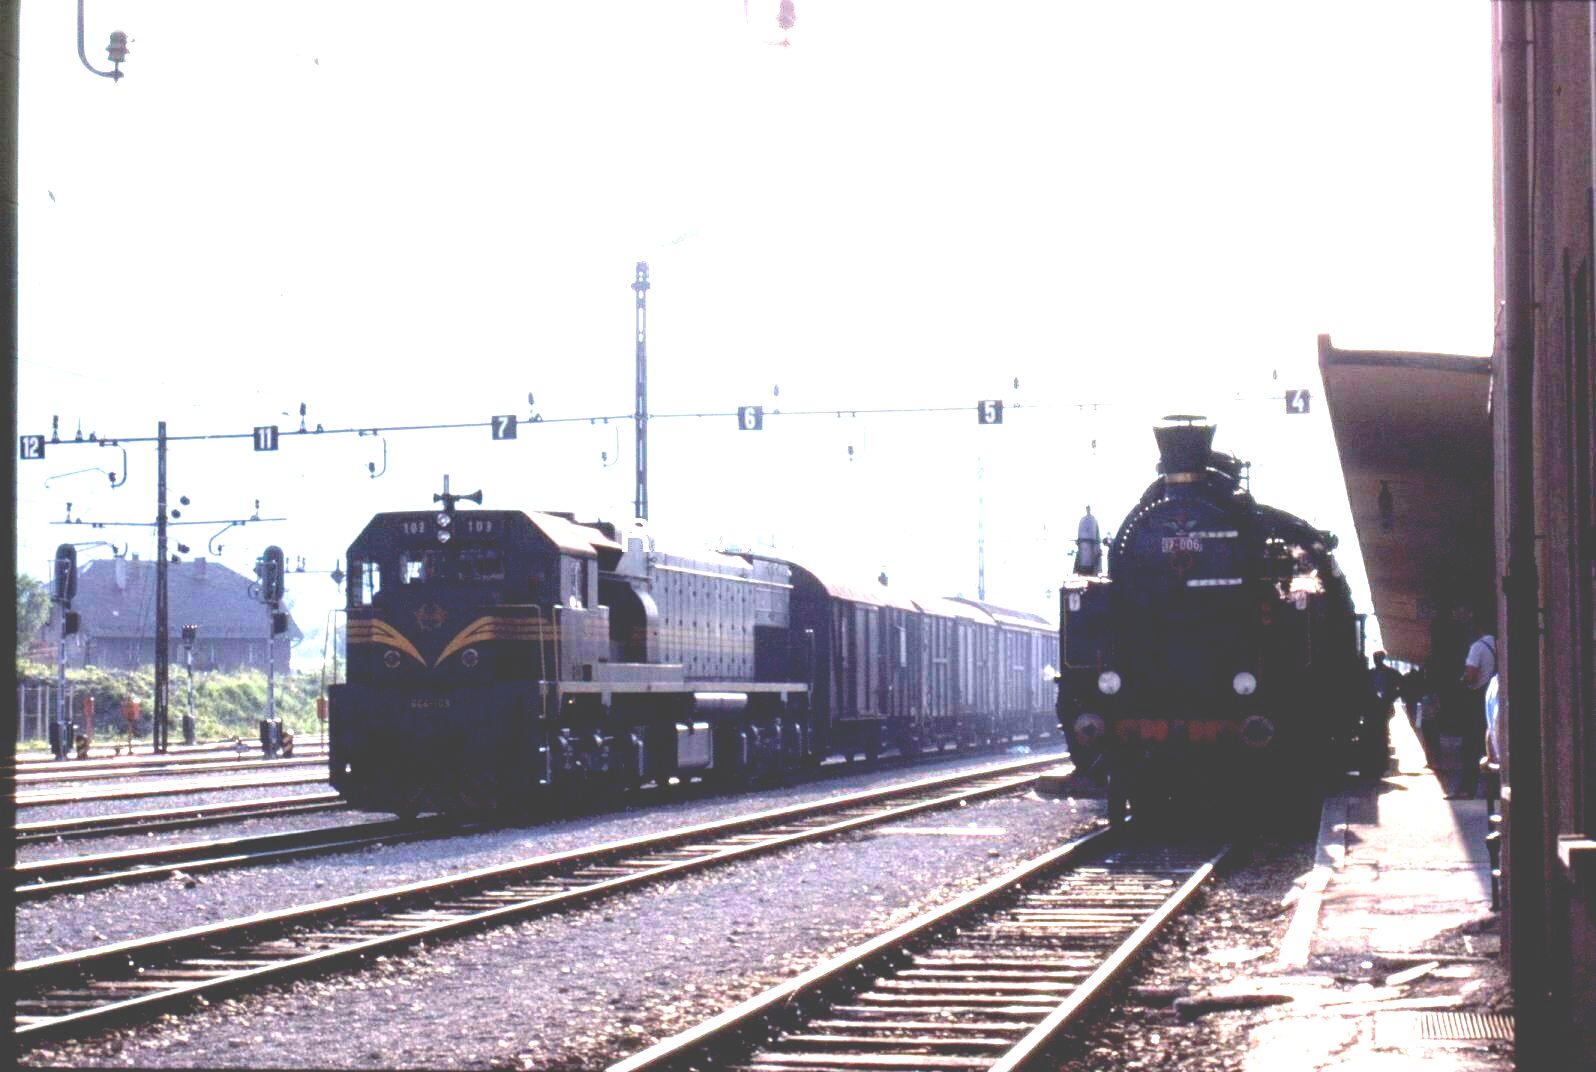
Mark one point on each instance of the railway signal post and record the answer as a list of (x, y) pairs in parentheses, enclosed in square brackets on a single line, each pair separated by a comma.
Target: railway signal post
[(270, 571), (65, 587)]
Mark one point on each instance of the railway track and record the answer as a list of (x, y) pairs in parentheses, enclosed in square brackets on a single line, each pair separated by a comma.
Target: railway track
[(74, 992), (75, 874), (102, 754), (85, 773), (141, 822), (132, 792), (985, 982)]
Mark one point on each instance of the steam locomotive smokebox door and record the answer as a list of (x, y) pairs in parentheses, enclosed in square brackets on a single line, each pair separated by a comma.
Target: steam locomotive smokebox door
[(1084, 611)]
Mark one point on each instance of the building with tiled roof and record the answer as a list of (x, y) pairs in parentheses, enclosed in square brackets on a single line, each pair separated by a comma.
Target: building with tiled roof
[(116, 606)]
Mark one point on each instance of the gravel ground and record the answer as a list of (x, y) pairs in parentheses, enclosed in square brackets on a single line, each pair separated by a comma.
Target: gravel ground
[(84, 920), (584, 988)]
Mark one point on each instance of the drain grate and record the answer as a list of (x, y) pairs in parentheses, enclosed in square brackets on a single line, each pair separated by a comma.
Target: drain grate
[(1465, 1027), (1405, 1030)]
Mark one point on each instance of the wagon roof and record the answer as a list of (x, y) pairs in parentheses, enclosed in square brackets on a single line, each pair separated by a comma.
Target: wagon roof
[(839, 584), (953, 608), (1009, 616)]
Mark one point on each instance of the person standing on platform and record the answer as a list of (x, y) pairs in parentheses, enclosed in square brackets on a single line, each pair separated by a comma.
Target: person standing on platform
[(1479, 667), (1387, 680), (1421, 705)]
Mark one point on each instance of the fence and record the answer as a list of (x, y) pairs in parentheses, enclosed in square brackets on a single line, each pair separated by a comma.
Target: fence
[(36, 710)]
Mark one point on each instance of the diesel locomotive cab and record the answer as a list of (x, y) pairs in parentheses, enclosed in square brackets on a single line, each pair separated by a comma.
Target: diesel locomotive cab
[(453, 619)]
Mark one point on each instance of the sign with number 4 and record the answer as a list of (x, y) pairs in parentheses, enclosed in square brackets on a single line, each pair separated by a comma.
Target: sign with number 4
[(1297, 401)]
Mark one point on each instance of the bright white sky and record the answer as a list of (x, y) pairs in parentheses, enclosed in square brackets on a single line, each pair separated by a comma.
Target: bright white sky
[(403, 212)]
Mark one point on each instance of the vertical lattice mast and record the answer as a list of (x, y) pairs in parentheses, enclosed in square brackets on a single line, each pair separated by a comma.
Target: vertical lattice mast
[(641, 416)]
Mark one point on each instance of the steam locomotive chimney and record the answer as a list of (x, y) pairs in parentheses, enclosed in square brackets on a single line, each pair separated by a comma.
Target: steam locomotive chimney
[(1183, 448)]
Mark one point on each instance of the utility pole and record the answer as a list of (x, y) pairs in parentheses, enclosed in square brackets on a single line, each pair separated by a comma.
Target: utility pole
[(640, 285), (980, 528), (162, 641)]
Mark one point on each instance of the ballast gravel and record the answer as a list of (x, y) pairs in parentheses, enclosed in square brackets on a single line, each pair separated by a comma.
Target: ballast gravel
[(578, 989), (115, 913)]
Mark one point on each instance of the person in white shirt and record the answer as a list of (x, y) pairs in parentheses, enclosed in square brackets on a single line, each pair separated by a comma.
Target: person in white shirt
[(1479, 669)]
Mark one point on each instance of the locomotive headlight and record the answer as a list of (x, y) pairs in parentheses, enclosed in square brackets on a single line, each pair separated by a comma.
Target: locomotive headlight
[(469, 658), (1244, 684), (390, 659), (444, 521), (1108, 683), (443, 535)]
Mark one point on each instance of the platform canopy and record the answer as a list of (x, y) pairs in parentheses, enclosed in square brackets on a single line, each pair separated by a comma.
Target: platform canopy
[(1414, 434)]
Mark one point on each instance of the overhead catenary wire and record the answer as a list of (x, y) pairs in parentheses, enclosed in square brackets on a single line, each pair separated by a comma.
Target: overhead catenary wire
[(606, 418)]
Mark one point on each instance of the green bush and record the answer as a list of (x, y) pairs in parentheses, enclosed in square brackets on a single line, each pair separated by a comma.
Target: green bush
[(226, 705)]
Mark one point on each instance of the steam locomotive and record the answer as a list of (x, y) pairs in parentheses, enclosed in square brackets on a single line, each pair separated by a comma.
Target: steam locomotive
[(501, 660), (1220, 652)]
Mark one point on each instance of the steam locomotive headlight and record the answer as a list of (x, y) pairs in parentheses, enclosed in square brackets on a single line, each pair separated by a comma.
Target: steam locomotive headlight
[(443, 535), (1108, 683), (469, 658), (390, 659), (1257, 732), (1244, 684)]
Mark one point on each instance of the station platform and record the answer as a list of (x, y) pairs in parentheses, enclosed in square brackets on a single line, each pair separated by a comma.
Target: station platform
[(1392, 957)]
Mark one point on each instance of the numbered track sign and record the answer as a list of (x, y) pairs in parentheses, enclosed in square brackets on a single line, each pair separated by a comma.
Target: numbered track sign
[(504, 427), (266, 437), (989, 411), (750, 418), (1297, 401), (30, 447)]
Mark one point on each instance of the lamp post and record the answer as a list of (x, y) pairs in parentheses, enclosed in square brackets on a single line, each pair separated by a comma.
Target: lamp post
[(189, 633), (116, 50)]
